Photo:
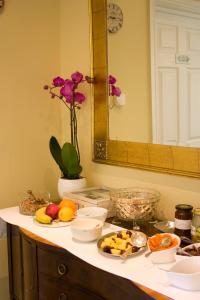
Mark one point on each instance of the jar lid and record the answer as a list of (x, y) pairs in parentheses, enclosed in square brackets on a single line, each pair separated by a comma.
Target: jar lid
[(197, 211), (184, 206)]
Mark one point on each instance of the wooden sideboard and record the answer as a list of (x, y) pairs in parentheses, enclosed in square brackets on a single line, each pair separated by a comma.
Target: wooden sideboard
[(39, 270)]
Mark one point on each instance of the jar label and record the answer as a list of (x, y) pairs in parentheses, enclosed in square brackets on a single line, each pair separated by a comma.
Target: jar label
[(183, 224), (193, 230)]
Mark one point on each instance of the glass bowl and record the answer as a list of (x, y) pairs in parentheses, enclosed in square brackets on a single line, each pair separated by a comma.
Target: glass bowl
[(30, 202), (135, 203)]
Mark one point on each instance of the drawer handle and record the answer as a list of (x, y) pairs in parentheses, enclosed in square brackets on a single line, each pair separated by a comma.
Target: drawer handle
[(62, 269), (62, 297)]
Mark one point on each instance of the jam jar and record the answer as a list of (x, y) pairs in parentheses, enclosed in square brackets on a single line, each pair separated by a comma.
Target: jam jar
[(195, 231), (183, 220)]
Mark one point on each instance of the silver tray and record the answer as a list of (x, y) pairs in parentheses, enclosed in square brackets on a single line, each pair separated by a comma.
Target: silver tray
[(165, 226), (142, 249)]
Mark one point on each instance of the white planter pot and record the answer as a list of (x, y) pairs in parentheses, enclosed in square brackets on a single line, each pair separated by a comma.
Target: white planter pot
[(69, 185)]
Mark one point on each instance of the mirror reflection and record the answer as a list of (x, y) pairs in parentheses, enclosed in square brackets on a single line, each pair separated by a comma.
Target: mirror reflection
[(154, 54)]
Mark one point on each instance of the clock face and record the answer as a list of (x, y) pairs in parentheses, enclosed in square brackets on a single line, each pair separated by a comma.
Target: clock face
[(1, 3), (114, 17)]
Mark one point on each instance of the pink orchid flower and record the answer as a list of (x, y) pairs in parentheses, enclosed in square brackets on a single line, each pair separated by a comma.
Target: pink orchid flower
[(115, 91), (79, 97), (58, 81), (111, 79), (77, 77), (67, 90)]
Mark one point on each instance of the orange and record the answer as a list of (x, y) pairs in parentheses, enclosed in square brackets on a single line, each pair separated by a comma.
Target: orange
[(65, 214), (68, 203)]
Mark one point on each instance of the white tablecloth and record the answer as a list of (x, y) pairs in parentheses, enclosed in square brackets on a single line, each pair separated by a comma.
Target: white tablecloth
[(138, 269)]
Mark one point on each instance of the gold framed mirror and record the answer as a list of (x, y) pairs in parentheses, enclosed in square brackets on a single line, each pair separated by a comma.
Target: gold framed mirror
[(153, 157)]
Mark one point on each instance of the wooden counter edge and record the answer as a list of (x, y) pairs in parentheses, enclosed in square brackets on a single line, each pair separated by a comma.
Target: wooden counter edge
[(148, 291)]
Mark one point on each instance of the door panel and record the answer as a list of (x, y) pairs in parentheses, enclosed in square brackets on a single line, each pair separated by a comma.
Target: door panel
[(168, 105), (177, 75), (193, 107)]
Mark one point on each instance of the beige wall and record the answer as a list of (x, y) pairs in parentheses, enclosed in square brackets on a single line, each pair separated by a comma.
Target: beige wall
[(29, 58), (75, 56), (128, 57)]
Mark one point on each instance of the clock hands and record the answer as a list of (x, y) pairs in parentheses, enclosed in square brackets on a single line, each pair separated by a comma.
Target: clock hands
[(114, 18)]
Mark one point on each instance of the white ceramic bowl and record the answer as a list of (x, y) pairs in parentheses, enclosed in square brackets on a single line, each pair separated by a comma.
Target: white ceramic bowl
[(185, 274), (193, 246), (86, 230), (93, 212), (167, 255)]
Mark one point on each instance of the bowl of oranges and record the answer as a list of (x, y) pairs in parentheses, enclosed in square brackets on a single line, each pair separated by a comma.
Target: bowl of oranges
[(163, 247)]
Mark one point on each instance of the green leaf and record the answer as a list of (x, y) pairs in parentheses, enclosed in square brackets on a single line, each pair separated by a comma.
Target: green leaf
[(70, 161), (56, 152)]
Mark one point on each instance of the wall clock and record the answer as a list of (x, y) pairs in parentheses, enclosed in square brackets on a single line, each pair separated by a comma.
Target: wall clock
[(1, 3), (114, 17)]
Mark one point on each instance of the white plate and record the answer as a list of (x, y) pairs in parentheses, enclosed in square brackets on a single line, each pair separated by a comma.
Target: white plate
[(54, 224), (140, 250), (165, 226)]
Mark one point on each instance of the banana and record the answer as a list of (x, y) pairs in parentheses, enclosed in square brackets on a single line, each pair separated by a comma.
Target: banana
[(41, 217), (40, 211)]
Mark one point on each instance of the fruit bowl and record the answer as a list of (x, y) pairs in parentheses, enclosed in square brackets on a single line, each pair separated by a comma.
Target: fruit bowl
[(55, 215), (163, 247), (192, 250), (114, 244), (53, 224)]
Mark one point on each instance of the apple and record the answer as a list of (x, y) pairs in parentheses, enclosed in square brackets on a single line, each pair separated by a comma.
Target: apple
[(52, 211)]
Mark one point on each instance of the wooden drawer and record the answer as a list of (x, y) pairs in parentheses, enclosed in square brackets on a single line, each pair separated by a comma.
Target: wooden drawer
[(63, 266), (35, 263), (60, 290), (55, 263), (30, 283), (15, 262)]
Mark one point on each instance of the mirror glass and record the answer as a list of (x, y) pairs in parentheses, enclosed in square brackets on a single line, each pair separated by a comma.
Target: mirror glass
[(155, 60)]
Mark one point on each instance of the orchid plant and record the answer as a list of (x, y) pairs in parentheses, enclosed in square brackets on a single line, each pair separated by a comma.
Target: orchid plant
[(113, 90), (66, 90)]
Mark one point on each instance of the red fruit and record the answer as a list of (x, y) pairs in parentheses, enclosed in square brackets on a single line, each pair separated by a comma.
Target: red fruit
[(52, 211)]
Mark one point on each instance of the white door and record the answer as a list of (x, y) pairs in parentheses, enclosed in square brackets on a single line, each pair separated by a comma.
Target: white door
[(176, 114)]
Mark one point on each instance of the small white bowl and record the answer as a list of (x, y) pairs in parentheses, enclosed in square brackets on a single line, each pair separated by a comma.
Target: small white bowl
[(192, 246), (167, 255), (93, 212), (185, 274), (86, 230)]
